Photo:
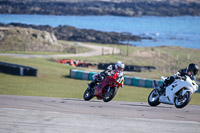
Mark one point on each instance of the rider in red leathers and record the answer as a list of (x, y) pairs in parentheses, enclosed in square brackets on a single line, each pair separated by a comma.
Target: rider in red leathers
[(109, 71)]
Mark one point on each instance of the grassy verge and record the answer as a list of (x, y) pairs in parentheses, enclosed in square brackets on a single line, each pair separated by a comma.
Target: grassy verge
[(53, 81), (70, 47)]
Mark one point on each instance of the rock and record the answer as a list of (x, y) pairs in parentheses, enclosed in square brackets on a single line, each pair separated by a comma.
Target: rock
[(28, 39), (102, 7), (70, 33)]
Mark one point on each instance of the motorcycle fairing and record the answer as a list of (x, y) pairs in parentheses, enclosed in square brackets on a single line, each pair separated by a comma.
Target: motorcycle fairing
[(103, 84), (98, 90), (177, 85)]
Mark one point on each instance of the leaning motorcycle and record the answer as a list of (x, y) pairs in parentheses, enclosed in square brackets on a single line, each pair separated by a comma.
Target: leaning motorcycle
[(105, 90), (179, 93)]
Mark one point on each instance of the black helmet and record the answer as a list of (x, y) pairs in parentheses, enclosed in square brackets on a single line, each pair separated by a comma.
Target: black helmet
[(193, 68)]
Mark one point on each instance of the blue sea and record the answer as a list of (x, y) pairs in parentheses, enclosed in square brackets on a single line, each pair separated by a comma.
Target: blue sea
[(181, 31)]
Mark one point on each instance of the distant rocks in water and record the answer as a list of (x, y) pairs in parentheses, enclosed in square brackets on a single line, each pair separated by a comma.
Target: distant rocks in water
[(102, 7), (86, 35), (70, 33)]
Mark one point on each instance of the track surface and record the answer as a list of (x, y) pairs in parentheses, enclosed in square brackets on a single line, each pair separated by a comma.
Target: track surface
[(28, 114)]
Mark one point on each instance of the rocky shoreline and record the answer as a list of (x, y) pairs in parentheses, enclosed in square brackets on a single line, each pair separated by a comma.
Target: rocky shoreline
[(70, 33), (102, 7)]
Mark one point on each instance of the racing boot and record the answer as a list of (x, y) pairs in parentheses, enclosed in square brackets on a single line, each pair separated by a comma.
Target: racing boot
[(92, 84), (162, 89)]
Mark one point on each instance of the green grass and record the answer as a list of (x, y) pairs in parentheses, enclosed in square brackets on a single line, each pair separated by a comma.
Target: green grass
[(53, 81)]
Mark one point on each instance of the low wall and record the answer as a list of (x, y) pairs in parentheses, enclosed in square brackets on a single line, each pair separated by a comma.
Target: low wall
[(79, 74), (15, 69), (132, 81)]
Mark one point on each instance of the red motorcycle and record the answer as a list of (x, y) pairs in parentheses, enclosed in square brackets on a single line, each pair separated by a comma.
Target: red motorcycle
[(105, 90)]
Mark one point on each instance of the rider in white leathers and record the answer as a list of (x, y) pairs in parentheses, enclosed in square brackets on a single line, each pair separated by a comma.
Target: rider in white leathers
[(190, 71)]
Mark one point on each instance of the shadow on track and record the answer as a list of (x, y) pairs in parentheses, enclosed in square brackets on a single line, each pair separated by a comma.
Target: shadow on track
[(145, 106), (69, 99)]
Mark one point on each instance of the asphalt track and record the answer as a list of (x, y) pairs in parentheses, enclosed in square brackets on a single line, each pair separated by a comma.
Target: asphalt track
[(30, 114)]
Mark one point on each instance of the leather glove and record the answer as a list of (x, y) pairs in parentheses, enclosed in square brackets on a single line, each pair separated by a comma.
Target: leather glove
[(101, 76), (178, 76), (183, 78)]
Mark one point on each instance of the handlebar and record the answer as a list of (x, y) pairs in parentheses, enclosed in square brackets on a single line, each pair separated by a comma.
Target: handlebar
[(185, 77)]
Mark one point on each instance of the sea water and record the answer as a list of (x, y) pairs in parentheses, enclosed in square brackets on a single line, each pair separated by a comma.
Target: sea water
[(181, 31)]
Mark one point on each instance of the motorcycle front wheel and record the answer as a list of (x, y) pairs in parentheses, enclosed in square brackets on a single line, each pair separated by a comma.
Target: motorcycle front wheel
[(88, 94), (181, 101), (153, 98), (109, 95)]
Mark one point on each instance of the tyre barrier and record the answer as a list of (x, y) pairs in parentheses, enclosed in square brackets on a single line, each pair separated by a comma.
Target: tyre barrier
[(79, 74), (132, 81), (133, 68), (15, 69)]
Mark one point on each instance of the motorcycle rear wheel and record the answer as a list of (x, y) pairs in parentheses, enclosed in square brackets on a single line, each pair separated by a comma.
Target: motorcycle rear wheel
[(153, 98), (88, 94), (108, 96), (182, 101)]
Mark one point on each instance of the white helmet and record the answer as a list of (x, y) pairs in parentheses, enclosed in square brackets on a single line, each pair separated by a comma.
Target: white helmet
[(119, 66)]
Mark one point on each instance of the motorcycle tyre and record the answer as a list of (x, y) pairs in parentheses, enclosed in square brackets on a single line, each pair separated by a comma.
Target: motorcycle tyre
[(114, 92), (154, 103), (186, 102), (88, 97)]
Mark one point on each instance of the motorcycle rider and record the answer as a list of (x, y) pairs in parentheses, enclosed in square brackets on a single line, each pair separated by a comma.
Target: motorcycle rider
[(109, 71), (190, 71)]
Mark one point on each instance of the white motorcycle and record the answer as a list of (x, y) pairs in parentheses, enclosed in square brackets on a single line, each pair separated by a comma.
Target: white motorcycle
[(179, 93)]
